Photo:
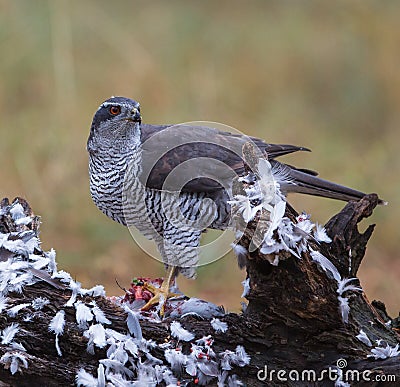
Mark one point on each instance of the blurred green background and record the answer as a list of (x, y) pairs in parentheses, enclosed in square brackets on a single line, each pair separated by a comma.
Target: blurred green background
[(325, 75)]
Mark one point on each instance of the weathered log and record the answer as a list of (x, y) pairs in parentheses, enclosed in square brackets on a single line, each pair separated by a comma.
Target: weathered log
[(293, 321)]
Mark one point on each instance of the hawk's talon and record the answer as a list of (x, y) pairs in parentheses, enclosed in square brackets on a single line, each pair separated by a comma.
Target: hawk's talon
[(160, 297)]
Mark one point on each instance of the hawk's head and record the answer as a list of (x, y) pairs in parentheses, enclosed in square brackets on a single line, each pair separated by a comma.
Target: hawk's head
[(116, 122)]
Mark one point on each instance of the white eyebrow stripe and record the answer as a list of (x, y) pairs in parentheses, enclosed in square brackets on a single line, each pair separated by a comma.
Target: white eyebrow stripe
[(126, 105)]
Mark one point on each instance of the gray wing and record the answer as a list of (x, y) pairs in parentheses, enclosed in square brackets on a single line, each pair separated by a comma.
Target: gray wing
[(203, 158)]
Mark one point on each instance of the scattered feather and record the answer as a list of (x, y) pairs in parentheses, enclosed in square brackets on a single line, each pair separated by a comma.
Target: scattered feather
[(52, 266), (344, 287), (233, 381), (96, 335), (38, 262), (385, 352), (12, 312), (83, 314), (207, 372), (57, 323), (242, 358), (85, 379), (344, 308), (152, 359), (39, 302), (326, 264), (179, 332), (133, 324), (110, 333), (197, 307), (246, 287), (101, 378), (14, 360), (58, 349), (3, 302), (227, 359), (23, 221), (95, 291), (176, 358), (320, 234), (8, 333), (362, 336), (17, 211), (117, 367), (18, 346), (218, 325), (131, 347), (241, 254), (99, 315), (75, 287), (63, 276)]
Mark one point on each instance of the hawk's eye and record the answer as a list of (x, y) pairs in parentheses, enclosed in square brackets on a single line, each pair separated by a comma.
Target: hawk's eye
[(115, 110)]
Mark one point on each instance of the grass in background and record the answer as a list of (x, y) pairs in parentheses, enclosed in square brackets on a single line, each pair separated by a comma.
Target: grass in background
[(319, 74)]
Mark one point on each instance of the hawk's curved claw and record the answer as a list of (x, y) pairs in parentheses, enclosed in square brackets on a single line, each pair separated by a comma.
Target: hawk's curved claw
[(162, 293)]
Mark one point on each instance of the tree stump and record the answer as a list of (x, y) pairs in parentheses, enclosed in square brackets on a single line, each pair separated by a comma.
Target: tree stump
[(294, 328)]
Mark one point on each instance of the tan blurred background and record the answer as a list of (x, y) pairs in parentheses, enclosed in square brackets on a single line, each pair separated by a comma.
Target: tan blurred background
[(325, 75)]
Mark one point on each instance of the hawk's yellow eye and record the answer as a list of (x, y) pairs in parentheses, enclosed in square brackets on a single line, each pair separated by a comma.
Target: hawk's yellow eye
[(115, 110)]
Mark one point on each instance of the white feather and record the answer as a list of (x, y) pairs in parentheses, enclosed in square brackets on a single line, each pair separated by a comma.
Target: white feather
[(119, 354), (242, 358), (218, 325), (75, 287), (344, 287), (57, 323), (385, 352), (95, 291), (51, 255), (38, 262), (226, 359), (344, 308), (246, 287), (8, 333), (133, 324), (326, 264), (131, 347), (83, 313), (241, 254), (176, 358), (18, 346), (14, 360), (101, 378), (117, 367), (3, 302), (96, 335), (179, 332), (39, 302), (17, 211), (58, 349), (12, 312), (362, 336), (320, 234), (85, 379), (63, 276), (99, 314)]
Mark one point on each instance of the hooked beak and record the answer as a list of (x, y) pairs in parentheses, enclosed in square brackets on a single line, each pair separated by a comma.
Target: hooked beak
[(134, 115)]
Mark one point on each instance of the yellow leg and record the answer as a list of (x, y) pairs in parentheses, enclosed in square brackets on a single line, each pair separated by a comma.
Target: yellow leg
[(162, 293)]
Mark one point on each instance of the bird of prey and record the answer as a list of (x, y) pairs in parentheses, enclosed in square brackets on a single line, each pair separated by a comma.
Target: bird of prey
[(172, 182)]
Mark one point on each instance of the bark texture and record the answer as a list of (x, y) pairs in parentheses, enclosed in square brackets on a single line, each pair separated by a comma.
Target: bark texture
[(292, 321)]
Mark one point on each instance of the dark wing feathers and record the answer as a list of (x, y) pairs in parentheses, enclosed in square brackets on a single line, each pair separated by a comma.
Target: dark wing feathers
[(181, 148), (165, 147)]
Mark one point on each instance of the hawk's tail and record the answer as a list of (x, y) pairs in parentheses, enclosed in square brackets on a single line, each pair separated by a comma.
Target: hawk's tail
[(302, 182)]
